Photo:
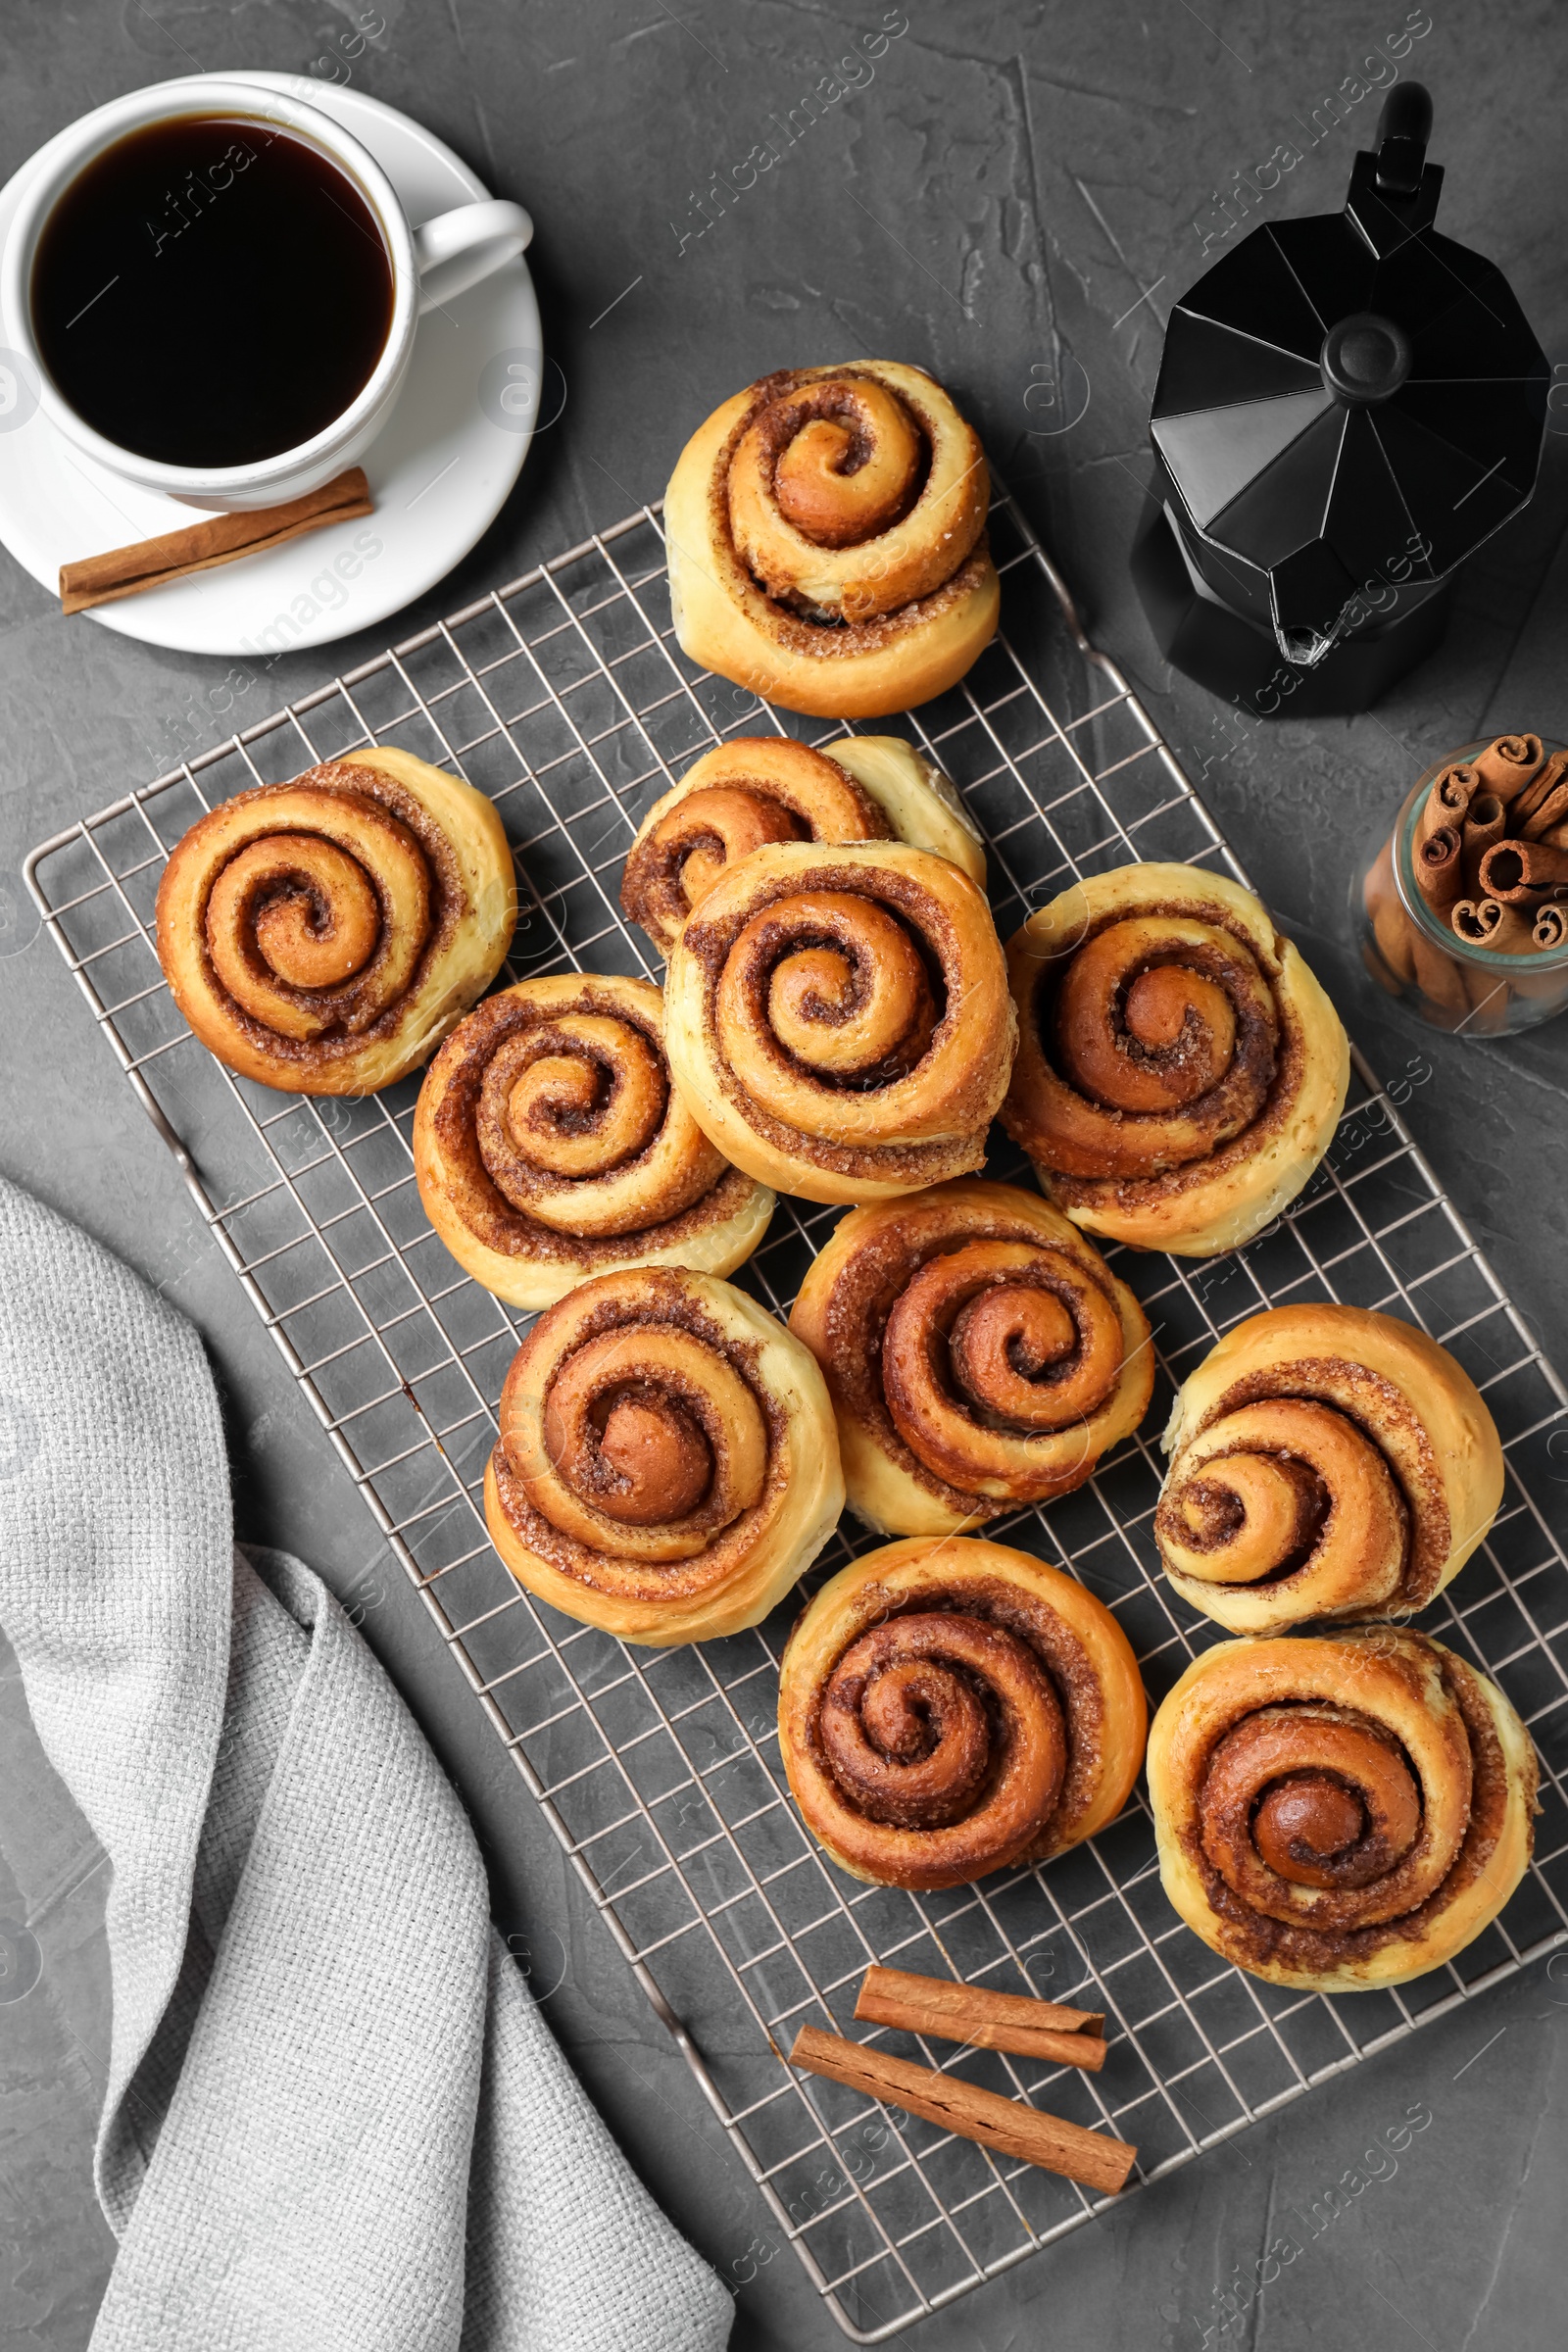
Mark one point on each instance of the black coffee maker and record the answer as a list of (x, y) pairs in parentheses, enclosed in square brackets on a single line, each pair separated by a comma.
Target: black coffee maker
[(1347, 405)]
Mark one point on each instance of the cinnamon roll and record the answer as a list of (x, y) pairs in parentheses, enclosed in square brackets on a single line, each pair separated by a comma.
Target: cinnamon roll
[(1343, 1812), (838, 1020), (323, 936), (1180, 1071), (767, 788), (666, 1464), (826, 536), (979, 1354), (951, 1707), (1325, 1462), (550, 1144)]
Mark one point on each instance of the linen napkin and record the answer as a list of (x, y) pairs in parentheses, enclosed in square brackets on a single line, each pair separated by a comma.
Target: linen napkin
[(335, 2120)]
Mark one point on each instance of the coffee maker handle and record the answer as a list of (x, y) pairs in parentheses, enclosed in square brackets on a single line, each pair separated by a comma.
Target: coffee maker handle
[(1403, 129)]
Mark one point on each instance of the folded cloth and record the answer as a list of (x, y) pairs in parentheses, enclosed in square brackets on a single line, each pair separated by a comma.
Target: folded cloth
[(335, 2120)]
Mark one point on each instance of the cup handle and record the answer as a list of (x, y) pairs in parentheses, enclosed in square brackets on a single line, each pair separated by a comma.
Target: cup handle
[(456, 248)]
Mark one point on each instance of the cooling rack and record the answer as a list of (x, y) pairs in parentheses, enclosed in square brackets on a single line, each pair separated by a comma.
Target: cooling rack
[(566, 698)]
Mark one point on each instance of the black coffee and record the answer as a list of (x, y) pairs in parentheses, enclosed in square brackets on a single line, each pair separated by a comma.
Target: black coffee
[(211, 291)]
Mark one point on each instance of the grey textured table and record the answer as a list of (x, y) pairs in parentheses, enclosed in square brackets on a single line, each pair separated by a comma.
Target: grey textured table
[(1010, 180)]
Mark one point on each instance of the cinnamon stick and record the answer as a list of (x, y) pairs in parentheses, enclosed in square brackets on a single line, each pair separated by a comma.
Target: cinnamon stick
[(1526, 804), (1522, 874), (1437, 976), (1404, 946), (1489, 923), (1390, 928), (984, 2020), (1514, 933), (1473, 920), (1490, 995), (1048, 2140), (1391, 925), (1446, 802), (1508, 762), (1439, 866), (1485, 821), (1550, 927), (220, 539)]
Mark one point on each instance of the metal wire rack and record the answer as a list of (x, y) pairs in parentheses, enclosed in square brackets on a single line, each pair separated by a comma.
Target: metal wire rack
[(564, 696)]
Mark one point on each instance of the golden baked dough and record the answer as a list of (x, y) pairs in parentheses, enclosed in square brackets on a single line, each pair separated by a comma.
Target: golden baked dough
[(667, 1463), (323, 936), (838, 1020), (1338, 1813), (1326, 1461), (1180, 1071), (979, 1354), (826, 537), (758, 789), (549, 1145), (948, 1707)]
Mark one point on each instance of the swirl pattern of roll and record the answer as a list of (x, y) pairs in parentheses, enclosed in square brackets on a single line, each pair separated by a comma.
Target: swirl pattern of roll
[(826, 537), (549, 1145), (666, 1463), (948, 1707), (979, 1354), (1325, 1461), (1180, 1070), (758, 789), (323, 936), (838, 1020), (1340, 1812)]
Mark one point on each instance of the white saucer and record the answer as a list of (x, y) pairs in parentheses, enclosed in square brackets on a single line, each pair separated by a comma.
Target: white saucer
[(440, 473)]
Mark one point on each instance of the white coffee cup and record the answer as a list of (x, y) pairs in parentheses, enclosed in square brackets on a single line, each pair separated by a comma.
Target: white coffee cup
[(431, 264)]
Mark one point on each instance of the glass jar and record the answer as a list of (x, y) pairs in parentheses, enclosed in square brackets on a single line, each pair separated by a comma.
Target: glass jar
[(1413, 954)]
